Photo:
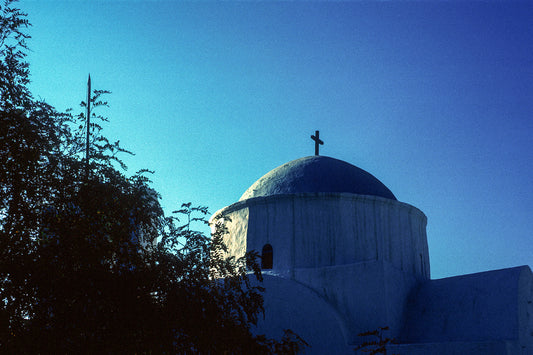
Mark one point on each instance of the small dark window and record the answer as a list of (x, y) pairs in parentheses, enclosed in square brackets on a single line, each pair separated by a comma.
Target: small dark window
[(267, 257)]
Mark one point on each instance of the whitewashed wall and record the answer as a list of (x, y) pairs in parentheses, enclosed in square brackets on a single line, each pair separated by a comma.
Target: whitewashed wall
[(327, 229)]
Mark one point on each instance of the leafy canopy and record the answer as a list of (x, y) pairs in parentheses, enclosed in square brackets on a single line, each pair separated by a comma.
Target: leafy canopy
[(91, 264)]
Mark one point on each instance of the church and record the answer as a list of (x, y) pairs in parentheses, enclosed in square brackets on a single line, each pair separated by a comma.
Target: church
[(342, 256)]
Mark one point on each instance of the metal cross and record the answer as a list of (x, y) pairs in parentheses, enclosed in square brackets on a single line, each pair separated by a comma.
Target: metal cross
[(317, 140)]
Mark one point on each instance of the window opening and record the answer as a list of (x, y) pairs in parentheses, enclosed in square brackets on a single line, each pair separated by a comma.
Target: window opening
[(267, 257)]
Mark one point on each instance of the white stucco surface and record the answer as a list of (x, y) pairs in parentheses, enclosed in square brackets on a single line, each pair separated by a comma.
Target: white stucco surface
[(324, 229), (317, 174), (486, 306), (368, 295), (457, 348), (349, 258), (291, 305)]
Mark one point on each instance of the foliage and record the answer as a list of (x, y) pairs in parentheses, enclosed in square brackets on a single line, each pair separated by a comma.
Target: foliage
[(376, 346), (90, 264)]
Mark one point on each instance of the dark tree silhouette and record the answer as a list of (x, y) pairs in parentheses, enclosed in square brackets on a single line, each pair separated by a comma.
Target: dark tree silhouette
[(377, 344), (93, 265)]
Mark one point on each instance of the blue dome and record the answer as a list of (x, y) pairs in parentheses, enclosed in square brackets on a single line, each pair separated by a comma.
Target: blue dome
[(317, 174)]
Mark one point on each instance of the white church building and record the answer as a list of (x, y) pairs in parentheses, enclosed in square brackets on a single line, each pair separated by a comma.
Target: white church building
[(342, 256)]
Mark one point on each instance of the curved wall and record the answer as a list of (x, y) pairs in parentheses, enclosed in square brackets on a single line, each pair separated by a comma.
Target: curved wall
[(311, 230)]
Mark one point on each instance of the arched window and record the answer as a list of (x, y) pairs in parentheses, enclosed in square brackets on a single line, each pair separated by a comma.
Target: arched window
[(267, 257)]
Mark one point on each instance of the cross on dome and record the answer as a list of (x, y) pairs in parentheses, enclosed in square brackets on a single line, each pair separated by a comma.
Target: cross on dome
[(317, 140)]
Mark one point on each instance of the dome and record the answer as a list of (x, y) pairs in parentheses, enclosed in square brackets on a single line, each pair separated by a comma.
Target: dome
[(317, 174)]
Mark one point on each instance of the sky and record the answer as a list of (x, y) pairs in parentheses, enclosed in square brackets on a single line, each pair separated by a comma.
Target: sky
[(435, 99)]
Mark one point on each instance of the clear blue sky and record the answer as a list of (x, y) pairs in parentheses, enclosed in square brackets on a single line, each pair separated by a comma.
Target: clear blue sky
[(433, 98)]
